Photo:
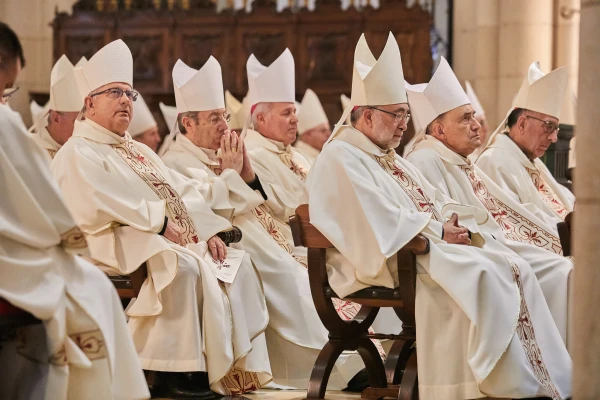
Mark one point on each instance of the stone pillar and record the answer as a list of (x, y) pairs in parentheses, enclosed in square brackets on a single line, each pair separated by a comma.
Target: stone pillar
[(526, 33), (586, 318), (566, 51)]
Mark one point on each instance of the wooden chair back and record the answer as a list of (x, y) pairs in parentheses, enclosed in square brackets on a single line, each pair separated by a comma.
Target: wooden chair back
[(565, 234)]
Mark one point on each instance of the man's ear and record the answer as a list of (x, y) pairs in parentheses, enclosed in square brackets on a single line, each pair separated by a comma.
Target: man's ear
[(88, 102), (521, 123), (437, 129), (368, 116)]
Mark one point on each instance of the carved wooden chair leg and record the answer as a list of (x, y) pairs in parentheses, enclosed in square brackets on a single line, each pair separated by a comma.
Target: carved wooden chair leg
[(370, 356), (397, 359), (409, 386), (323, 366)]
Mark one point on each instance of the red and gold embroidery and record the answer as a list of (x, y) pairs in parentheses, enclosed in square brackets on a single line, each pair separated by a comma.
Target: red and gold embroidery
[(91, 343), (238, 381), (153, 178), (287, 158), (409, 185), (514, 225), (547, 193), (526, 333)]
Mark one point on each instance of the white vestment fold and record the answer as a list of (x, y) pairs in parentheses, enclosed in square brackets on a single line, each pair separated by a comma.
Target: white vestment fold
[(528, 182), (295, 328), (82, 349), (483, 326), (307, 150), (509, 222), (184, 319), (43, 139)]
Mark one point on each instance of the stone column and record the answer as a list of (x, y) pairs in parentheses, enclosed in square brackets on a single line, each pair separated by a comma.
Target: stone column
[(586, 318), (525, 36), (566, 51)]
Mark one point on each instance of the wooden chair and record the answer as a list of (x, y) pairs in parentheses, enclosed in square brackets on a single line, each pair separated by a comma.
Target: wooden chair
[(564, 234), (398, 378)]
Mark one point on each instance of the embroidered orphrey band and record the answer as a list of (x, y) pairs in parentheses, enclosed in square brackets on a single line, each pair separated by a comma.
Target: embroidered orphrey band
[(408, 184), (153, 178), (526, 334), (287, 159), (73, 239), (514, 225), (547, 193)]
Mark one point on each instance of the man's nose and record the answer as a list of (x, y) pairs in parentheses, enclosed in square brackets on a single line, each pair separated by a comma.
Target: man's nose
[(554, 136), (475, 125)]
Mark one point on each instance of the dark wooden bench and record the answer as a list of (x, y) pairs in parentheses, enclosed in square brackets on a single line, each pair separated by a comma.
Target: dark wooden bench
[(564, 234), (398, 377)]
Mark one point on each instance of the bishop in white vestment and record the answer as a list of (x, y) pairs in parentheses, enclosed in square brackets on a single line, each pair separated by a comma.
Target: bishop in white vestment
[(483, 326), (441, 156), (313, 126), (54, 124), (511, 157), (134, 210), (296, 334), (82, 348)]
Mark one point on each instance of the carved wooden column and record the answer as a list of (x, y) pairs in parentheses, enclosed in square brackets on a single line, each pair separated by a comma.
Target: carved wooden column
[(586, 345)]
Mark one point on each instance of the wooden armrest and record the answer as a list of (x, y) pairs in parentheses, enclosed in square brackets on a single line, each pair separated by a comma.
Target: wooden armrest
[(418, 245), (565, 232)]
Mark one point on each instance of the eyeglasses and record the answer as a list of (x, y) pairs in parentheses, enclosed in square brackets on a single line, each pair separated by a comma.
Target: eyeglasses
[(404, 115), (117, 93), (215, 119), (549, 127), (9, 92)]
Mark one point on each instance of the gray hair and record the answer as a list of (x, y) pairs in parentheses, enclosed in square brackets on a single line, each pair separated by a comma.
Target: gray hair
[(190, 114), (262, 108), (356, 114)]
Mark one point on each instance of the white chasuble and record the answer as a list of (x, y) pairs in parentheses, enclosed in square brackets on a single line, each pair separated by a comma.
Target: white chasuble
[(282, 170), (512, 224), (295, 328), (528, 182), (307, 150), (82, 349), (184, 318), (483, 326)]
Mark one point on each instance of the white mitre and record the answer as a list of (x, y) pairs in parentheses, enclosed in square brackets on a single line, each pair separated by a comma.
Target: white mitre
[(169, 113), (479, 111), (238, 110), (142, 118), (543, 93), (64, 92), (345, 100), (311, 113), (427, 101), (37, 112), (195, 90), (375, 82), (273, 84), (112, 63)]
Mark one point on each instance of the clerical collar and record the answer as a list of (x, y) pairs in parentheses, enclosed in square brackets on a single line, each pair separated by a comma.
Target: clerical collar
[(355, 137), (47, 139), (430, 142), (507, 143), (93, 131), (258, 140)]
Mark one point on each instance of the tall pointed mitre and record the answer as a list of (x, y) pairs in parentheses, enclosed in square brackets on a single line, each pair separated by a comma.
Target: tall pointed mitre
[(169, 113), (112, 63), (345, 100), (375, 82), (198, 90), (142, 118), (235, 108), (64, 91), (479, 111), (273, 84), (429, 100), (311, 113), (543, 93)]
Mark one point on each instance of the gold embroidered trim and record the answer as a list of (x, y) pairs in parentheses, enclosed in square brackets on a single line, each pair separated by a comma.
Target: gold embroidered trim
[(514, 225), (153, 178), (547, 193), (530, 346), (91, 343), (287, 159), (73, 238), (408, 184)]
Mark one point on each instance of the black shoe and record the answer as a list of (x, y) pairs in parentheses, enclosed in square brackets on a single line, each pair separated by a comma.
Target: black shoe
[(359, 382), (179, 385)]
